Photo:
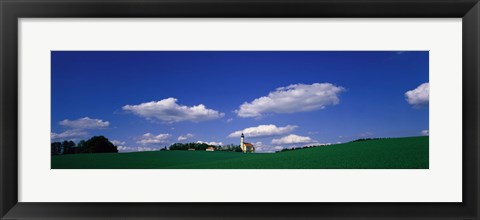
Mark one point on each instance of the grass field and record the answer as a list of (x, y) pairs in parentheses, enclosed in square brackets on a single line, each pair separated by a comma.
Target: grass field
[(394, 153)]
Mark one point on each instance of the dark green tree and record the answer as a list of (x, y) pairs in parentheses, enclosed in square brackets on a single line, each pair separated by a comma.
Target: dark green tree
[(81, 147), (82, 143), (100, 144), (68, 147), (56, 148)]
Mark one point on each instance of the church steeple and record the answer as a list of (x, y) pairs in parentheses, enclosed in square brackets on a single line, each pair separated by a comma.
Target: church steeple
[(242, 145)]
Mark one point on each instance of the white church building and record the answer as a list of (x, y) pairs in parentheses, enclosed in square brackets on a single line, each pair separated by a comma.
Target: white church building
[(246, 147)]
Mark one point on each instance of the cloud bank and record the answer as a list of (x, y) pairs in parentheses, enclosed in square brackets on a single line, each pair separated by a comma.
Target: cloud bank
[(168, 111), (293, 139), (211, 143), (68, 135), (78, 128), (117, 143), (85, 123), (135, 149), (148, 138), (263, 131), (419, 96), (185, 137), (293, 98)]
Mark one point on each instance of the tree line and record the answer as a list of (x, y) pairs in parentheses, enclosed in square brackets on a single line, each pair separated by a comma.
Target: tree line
[(295, 148), (101, 144), (204, 146), (96, 144), (357, 140), (368, 139)]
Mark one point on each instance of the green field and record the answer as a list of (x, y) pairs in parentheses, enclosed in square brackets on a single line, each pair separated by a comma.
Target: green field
[(393, 153)]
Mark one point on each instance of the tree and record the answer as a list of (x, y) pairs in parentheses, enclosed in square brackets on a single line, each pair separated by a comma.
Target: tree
[(100, 144), (56, 148), (68, 147), (204, 146), (82, 143), (81, 147)]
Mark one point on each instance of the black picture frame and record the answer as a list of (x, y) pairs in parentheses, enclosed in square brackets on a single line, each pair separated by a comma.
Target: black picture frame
[(12, 10)]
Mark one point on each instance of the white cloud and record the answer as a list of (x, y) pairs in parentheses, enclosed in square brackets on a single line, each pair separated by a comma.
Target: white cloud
[(167, 110), (293, 98), (425, 132), (68, 135), (135, 149), (117, 143), (263, 131), (185, 137), (78, 127), (316, 144), (146, 149), (419, 96), (262, 148), (149, 138), (124, 149), (366, 134), (292, 142), (293, 139), (267, 148), (85, 123), (302, 145), (211, 143), (229, 120)]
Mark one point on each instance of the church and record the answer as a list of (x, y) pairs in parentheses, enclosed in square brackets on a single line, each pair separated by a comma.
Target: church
[(246, 147)]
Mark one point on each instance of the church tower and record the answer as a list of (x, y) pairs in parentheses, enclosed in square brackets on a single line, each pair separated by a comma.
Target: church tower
[(242, 145)]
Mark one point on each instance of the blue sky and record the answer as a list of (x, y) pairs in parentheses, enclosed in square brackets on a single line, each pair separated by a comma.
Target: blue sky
[(146, 100)]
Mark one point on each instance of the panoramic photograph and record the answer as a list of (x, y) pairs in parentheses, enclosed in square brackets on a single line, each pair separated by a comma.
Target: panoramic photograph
[(239, 110)]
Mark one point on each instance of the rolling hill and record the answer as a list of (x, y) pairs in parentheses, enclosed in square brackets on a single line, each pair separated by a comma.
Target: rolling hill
[(391, 153)]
